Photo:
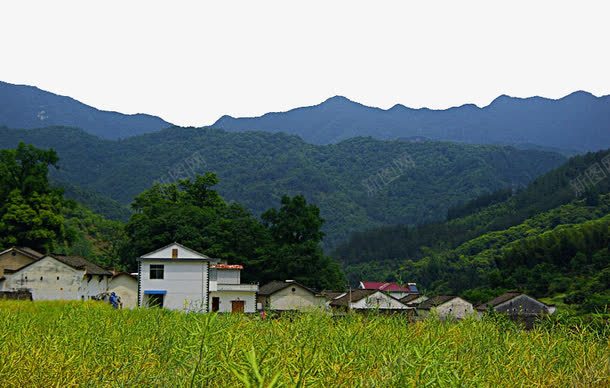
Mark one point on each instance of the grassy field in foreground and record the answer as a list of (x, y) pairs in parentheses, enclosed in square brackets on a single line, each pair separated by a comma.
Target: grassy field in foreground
[(66, 344)]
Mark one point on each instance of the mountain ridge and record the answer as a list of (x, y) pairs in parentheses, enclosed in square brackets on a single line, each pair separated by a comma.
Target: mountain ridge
[(29, 107), (577, 121)]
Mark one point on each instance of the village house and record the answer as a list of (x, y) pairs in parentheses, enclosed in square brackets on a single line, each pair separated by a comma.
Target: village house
[(227, 293), (394, 289), (289, 295), (179, 278), (54, 277), (445, 306), (362, 300), (516, 303), (16, 257)]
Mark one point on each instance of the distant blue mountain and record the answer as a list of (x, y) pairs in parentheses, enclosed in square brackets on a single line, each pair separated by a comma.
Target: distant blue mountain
[(579, 122), (28, 107)]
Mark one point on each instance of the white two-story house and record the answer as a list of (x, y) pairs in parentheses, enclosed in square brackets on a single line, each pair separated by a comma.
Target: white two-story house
[(179, 278)]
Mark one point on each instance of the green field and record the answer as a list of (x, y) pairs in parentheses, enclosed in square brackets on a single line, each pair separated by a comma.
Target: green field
[(72, 343)]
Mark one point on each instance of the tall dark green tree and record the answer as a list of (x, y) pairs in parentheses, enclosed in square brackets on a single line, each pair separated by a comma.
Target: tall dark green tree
[(30, 210), (296, 232)]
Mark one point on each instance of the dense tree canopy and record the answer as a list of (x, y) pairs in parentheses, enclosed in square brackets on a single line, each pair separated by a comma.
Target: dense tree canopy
[(286, 246), (547, 239), (357, 184), (30, 210)]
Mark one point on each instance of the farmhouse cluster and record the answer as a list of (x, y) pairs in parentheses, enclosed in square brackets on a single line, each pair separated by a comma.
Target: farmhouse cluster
[(179, 278)]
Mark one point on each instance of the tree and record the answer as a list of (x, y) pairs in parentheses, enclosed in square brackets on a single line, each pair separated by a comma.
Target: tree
[(31, 211), (296, 222), (285, 246), (296, 252), (194, 214)]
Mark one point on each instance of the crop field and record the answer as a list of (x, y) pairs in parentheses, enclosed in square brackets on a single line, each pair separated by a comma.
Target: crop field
[(73, 343)]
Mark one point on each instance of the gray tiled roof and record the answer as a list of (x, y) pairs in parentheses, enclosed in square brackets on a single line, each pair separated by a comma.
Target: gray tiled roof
[(277, 285), (435, 301), (499, 300), (353, 296)]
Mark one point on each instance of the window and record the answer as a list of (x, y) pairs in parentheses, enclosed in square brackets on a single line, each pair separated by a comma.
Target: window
[(156, 271), (174, 253)]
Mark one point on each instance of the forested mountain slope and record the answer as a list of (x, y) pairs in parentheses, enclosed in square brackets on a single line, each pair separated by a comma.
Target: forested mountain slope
[(550, 239), (498, 211), (358, 183)]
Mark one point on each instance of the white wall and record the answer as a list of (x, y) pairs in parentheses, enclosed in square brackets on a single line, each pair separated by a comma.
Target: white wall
[(456, 307), (378, 300), (299, 299), (184, 281), (228, 276), (97, 285), (227, 296), (50, 279)]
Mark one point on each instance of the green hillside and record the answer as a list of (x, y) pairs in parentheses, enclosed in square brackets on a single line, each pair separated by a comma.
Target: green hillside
[(358, 184), (546, 240)]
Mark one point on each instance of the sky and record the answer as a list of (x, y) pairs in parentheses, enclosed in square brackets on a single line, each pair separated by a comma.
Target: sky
[(191, 62)]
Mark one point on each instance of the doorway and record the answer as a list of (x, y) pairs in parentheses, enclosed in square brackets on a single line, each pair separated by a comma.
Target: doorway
[(237, 306), (155, 300)]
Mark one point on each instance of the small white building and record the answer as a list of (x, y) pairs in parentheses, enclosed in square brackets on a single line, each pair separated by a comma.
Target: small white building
[(58, 277), (179, 278), (289, 295), (446, 306), (227, 293), (369, 300)]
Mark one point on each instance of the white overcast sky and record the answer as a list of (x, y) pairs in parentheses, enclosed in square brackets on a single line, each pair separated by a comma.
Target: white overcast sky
[(192, 62)]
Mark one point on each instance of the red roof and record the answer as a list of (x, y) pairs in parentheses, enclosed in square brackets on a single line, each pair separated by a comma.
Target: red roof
[(385, 286), (227, 266)]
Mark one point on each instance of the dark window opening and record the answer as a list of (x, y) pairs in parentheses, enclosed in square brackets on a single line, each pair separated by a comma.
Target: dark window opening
[(155, 300), (215, 303), (294, 289), (156, 271), (41, 278)]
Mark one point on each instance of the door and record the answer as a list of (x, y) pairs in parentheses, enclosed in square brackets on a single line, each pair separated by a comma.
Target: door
[(215, 303), (237, 306)]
